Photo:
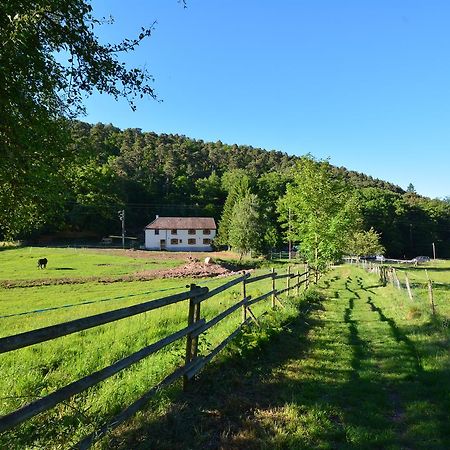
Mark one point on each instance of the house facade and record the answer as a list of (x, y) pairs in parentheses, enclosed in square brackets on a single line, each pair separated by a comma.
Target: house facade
[(183, 234)]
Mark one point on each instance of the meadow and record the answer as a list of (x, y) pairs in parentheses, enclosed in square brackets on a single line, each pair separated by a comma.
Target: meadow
[(354, 370), (439, 273), (35, 371), (351, 364), (21, 263)]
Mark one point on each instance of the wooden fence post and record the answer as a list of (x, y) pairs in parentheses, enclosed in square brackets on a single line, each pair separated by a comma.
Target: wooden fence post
[(307, 277), (191, 342), (297, 288), (244, 296), (408, 287), (430, 294), (288, 281), (396, 280), (273, 288)]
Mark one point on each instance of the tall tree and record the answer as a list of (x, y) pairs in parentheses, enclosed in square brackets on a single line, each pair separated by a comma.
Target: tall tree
[(319, 211), (246, 231), (237, 184), (50, 58), (364, 243)]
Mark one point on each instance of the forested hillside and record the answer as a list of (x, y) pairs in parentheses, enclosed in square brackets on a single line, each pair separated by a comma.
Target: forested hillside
[(148, 174)]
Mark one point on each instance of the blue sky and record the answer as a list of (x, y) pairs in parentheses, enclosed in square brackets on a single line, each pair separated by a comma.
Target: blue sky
[(364, 83)]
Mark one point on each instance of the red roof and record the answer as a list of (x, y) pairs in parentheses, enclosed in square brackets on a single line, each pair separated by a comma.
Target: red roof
[(182, 223)]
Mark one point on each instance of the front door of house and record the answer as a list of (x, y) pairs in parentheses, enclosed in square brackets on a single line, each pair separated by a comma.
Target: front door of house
[(162, 244)]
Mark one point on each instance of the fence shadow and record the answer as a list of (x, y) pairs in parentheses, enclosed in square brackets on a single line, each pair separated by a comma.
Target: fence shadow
[(238, 403), (224, 394)]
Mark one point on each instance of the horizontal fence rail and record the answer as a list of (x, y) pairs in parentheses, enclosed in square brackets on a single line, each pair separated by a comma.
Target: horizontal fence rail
[(261, 297), (220, 289), (54, 331), (45, 403), (259, 278), (220, 317), (192, 365), (129, 412)]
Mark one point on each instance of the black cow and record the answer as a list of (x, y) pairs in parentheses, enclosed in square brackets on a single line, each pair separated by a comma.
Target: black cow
[(42, 263)]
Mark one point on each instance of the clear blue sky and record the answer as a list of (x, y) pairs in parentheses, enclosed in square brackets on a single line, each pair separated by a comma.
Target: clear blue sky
[(365, 83)]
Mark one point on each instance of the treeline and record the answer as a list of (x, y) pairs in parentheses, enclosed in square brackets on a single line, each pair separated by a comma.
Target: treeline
[(147, 174)]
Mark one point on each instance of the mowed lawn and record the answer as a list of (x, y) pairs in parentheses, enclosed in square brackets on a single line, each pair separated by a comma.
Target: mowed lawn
[(35, 371)]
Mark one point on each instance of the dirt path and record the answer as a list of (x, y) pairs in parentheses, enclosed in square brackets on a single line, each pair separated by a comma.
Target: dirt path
[(344, 375)]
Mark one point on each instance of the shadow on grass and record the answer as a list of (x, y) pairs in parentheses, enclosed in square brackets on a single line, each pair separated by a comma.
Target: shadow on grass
[(353, 339), (398, 335), (255, 399)]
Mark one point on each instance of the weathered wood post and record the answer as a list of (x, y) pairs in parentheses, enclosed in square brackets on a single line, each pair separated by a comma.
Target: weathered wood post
[(297, 287), (430, 293), (430, 296), (307, 277), (408, 287), (288, 281), (191, 342), (273, 288), (396, 280), (244, 296), (384, 275)]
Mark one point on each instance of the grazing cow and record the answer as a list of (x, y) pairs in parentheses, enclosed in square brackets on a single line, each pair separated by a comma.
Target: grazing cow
[(42, 263)]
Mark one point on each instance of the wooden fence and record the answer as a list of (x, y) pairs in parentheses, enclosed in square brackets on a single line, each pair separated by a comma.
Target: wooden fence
[(193, 362)]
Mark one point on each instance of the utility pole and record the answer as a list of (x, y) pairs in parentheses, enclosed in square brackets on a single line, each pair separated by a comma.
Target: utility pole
[(434, 250), (122, 219)]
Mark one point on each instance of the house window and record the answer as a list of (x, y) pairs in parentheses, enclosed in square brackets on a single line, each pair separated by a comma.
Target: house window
[(174, 241), (192, 241), (206, 231), (173, 231), (191, 231), (156, 231), (206, 241)]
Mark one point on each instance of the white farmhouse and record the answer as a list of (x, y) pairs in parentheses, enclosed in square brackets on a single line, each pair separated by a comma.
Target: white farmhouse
[(184, 234)]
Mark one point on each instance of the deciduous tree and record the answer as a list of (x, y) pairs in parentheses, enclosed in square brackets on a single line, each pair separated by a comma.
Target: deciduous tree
[(364, 243), (246, 230), (323, 212), (50, 58)]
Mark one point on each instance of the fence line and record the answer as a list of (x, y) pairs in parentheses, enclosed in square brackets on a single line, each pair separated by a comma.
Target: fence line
[(192, 364), (21, 340), (389, 274)]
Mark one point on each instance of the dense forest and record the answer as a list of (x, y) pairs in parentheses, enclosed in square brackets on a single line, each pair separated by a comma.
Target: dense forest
[(146, 174)]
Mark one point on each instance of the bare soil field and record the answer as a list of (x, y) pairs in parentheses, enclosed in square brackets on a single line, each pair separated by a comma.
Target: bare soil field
[(164, 256)]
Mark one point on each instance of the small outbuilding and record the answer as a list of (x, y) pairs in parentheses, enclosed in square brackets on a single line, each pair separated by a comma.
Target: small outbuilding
[(183, 234)]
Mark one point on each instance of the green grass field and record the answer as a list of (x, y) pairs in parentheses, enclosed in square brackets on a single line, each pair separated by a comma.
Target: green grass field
[(33, 372), (439, 272), (21, 263), (355, 370), (355, 365)]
